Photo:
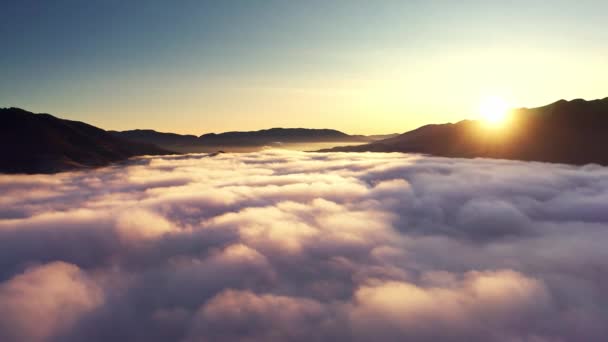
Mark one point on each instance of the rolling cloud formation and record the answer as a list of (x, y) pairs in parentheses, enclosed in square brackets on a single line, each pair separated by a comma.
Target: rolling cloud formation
[(292, 246)]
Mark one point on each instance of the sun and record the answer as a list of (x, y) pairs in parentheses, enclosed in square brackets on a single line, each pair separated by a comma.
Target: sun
[(494, 110)]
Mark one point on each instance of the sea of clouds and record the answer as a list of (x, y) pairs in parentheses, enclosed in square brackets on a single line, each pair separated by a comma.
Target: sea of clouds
[(294, 246)]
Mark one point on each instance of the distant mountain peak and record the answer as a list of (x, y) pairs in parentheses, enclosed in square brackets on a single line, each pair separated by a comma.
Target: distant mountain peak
[(246, 140)]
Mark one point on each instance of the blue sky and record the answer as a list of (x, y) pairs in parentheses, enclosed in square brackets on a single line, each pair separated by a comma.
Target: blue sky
[(358, 66)]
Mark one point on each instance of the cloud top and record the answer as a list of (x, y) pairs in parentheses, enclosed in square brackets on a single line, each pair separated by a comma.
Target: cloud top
[(295, 246)]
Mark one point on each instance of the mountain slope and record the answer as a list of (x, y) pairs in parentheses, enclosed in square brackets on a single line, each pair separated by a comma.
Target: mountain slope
[(574, 132), (42, 143)]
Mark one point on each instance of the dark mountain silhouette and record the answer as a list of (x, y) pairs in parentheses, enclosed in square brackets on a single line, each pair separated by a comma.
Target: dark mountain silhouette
[(150, 136), (42, 143), (276, 135), (573, 132), (236, 139)]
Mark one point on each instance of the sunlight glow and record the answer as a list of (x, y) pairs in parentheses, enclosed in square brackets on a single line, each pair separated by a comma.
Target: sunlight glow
[(494, 110)]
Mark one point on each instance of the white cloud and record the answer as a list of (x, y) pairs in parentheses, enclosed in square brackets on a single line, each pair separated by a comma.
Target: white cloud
[(44, 301), (281, 245)]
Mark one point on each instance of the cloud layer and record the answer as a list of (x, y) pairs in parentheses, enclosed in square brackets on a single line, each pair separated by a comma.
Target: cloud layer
[(292, 246)]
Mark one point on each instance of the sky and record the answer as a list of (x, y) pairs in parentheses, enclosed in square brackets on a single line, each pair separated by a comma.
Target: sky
[(364, 67)]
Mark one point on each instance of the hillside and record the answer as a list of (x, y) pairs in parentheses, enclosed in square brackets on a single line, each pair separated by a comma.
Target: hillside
[(571, 132), (42, 143)]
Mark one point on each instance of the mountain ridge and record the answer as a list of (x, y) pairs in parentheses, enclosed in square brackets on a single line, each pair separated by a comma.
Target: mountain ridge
[(275, 136), (571, 132), (43, 143)]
